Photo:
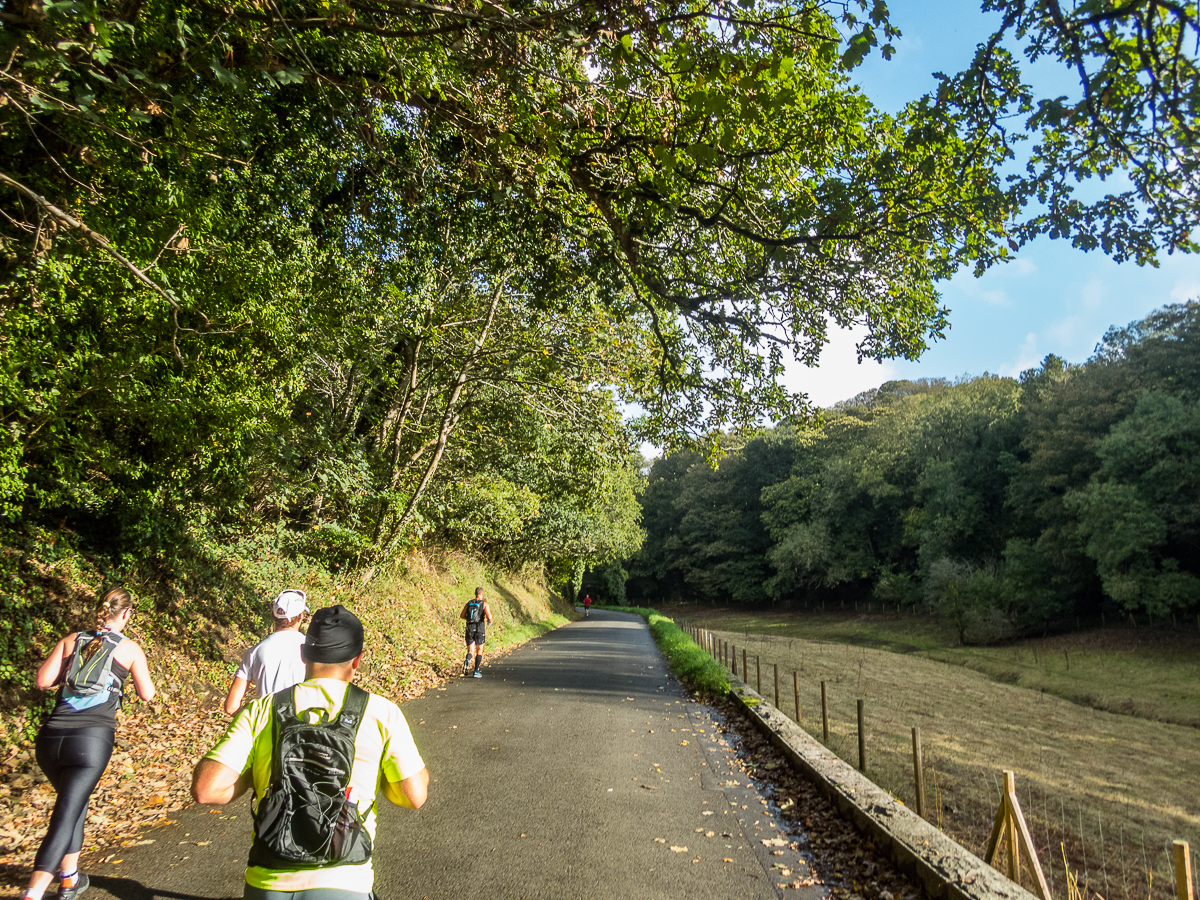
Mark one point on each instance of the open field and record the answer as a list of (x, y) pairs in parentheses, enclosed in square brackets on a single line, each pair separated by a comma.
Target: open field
[(1145, 672), (1111, 789)]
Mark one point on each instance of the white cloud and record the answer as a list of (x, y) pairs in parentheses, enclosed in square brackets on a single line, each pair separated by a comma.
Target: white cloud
[(1093, 294), (1019, 267), (838, 375), (1027, 358), (969, 287), (1068, 333), (1185, 289), (993, 286)]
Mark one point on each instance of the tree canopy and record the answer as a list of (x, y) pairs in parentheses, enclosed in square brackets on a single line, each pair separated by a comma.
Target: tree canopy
[(358, 266)]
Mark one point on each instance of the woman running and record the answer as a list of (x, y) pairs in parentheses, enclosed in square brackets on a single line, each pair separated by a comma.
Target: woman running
[(75, 743)]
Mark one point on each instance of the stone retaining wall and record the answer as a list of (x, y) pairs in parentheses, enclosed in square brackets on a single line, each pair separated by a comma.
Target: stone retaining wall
[(947, 869)]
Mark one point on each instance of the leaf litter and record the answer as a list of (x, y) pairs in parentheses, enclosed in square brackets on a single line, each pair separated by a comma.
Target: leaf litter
[(839, 857), (149, 776)]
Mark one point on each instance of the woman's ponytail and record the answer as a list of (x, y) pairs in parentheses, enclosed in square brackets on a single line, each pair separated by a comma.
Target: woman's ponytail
[(112, 604)]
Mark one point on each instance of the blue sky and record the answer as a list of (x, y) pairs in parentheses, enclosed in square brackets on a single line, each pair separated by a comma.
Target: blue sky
[(1050, 299)]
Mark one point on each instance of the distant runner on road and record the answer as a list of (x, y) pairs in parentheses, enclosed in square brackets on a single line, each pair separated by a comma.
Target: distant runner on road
[(478, 615), (587, 604), (315, 756)]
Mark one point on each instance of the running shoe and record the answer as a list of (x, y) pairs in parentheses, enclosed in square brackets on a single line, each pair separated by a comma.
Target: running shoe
[(70, 893), (477, 674)]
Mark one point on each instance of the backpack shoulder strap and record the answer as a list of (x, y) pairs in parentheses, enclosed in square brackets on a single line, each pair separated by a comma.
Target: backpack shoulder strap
[(353, 708)]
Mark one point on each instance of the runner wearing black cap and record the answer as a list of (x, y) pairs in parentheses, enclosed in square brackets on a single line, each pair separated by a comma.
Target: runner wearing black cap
[(384, 756)]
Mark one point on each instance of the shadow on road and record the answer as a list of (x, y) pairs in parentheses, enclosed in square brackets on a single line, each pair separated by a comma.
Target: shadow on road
[(128, 889), (582, 656)]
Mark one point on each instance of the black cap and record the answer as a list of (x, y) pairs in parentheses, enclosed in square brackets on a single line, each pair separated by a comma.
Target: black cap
[(335, 636)]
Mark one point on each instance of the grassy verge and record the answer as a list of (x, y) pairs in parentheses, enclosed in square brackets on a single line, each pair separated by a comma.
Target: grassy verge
[(1111, 791), (688, 662)]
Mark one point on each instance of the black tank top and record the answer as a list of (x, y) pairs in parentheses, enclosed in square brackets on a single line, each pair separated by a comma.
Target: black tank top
[(103, 715)]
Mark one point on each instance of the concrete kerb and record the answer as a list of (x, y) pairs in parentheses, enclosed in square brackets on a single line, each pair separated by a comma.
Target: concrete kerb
[(947, 869)]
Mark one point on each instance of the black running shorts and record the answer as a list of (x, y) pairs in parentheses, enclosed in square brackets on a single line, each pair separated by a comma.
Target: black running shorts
[(475, 633)]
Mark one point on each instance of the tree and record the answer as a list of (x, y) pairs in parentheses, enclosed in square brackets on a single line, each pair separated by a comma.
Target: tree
[(1139, 517), (1133, 117)]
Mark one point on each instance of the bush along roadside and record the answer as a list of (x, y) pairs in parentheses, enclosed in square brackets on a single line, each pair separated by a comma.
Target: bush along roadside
[(688, 662)]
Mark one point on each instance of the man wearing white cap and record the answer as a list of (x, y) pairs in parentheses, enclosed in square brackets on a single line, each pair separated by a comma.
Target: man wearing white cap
[(274, 663)]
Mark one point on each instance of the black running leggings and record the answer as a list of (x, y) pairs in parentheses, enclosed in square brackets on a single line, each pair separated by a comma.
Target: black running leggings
[(73, 760)]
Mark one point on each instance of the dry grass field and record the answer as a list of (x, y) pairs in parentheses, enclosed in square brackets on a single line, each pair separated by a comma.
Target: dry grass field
[(1109, 791)]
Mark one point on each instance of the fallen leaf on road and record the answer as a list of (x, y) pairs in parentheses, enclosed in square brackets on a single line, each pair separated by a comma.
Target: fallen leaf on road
[(774, 842), (679, 849), (660, 840)]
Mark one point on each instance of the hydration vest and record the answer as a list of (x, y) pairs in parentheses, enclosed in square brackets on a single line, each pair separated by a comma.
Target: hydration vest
[(475, 610), (89, 683)]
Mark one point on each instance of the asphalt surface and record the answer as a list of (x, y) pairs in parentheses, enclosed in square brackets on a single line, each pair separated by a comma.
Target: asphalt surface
[(575, 768)]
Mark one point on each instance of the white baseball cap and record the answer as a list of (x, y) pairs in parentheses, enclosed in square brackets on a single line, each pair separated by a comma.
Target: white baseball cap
[(290, 603)]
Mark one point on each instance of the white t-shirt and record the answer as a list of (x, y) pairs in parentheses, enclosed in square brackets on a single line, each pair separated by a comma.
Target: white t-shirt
[(274, 663)]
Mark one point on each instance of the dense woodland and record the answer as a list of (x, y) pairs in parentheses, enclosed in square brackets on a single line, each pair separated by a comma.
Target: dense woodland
[(329, 280), (1004, 505)]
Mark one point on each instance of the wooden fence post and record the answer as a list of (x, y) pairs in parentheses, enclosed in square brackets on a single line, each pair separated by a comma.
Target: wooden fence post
[(824, 714), (777, 685), (796, 688), (758, 673), (733, 660), (862, 740), (1183, 871), (1010, 823), (918, 771), (745, 672)]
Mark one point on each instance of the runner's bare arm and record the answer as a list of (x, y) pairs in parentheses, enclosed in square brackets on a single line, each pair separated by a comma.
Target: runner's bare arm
[(140, 671), (487, 612), (237, 692), (52, 666), (215, 784), (411, 792)]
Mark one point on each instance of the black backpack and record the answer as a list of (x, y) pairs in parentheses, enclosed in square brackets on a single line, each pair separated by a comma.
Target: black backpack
[(475, 610), (306, 820)]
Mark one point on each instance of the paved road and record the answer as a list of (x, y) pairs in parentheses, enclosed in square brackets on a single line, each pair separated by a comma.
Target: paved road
[(576, 768)]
